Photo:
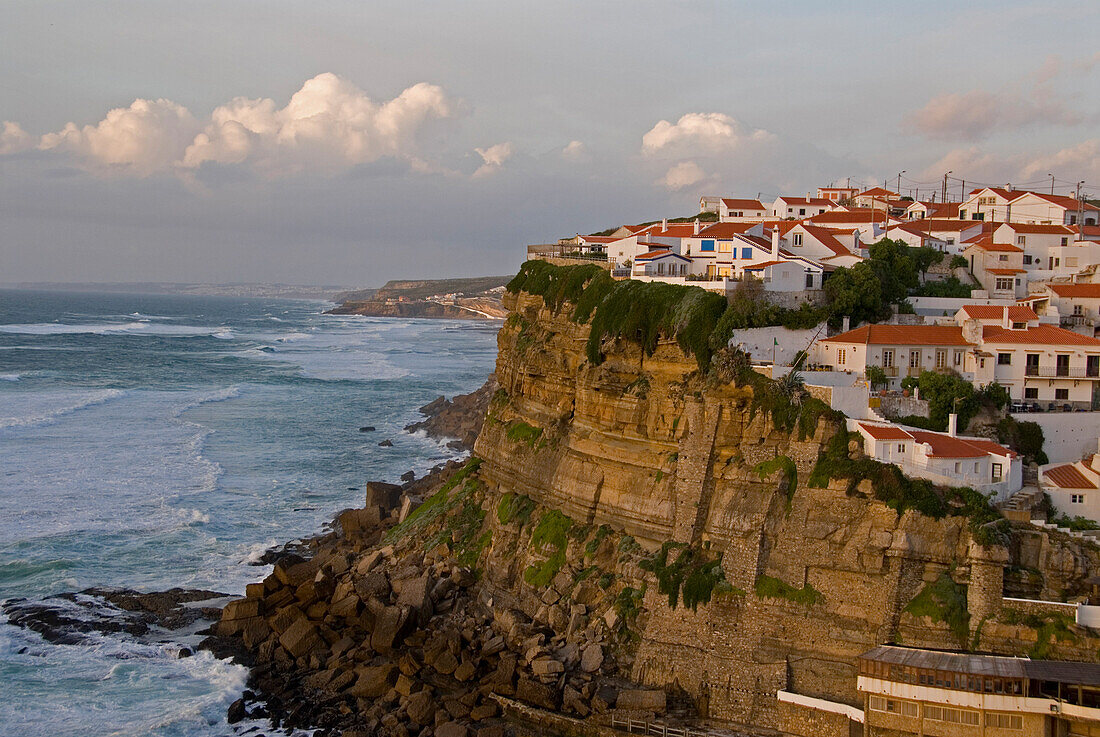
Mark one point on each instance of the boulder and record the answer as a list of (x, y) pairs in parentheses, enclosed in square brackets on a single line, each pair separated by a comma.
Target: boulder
[(421, 708), (445, 663), (546, 667), (241, 609), (592, 658), (485, 711), (537, 694), (300, 638), (381, 494), (374, 585), (282, 621), (451, 729), (491, 730), (387, 627), (355, 521), (415, 593), (465, 671), (374, 680)]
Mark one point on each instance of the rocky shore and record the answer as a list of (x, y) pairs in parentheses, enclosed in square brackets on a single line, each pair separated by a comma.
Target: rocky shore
[(460, 417)]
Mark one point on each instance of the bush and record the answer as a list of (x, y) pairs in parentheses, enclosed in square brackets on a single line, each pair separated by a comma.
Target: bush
[(941, 391), (692, 572), (959, 262), (768, 587), (943, 600), (949, 287), (1026, 438)]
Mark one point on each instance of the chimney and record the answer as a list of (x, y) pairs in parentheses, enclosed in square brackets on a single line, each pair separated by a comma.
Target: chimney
[(696, 226), (952, 422), (775, 243), (846, 324), (664, 224), (1006, 323)]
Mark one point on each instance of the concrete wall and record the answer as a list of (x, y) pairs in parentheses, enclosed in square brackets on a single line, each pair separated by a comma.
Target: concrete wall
[(936, 306), (1067, 436), (758, 342)]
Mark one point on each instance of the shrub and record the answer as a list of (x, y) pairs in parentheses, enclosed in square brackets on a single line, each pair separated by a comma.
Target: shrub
[(768, 587), (552, 531), (959, 262), (1026, 438), (521, 432), (692, 571), (949, 287), (943, 600)]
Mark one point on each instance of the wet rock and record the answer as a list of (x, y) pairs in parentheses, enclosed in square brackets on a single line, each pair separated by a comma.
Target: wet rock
[(386, 444), (367, 428)]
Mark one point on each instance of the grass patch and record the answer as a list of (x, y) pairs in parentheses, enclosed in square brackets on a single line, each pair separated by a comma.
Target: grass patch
[(551, 532), (1051, 628), (789, 473), (515, 507), (769, 587), (521, 432), (1076, 523), (900, 493), (435, 506), (593, 545), (943, 600), (692, 576)]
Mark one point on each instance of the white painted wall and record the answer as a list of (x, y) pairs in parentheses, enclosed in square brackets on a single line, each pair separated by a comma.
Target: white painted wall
[(758, 342), (1067, 436)]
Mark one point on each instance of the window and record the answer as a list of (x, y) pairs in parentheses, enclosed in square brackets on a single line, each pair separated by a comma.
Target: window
[(809, 280), (660, 268), (1078, 310), (1004, 721), (1065, 242), (1003, 284), (746, 253), (941, 359), (1002, 257), (802, 211), (1092, 365), (888, 358), (996, 472), (1061, 394), (1077, 498), (1027, 259), (707, 245), (841, 355), (725, 247), (1057, 261), (1031, 392), (1021, 240), (958, 358), (1019, 325), (901, 447), (894, 706), (950, 241), (962, 214), (1032, 364), (1004, 359), (949, 715), (796, 239), (1061, 365), (914, 359), (958, 467)]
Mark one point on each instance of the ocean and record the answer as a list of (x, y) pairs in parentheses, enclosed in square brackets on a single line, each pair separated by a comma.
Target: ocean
[(158, 441)]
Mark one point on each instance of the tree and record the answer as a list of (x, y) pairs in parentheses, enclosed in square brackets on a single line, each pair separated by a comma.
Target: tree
[(925, 258), (856, 293), (946, 393), (876, 376)]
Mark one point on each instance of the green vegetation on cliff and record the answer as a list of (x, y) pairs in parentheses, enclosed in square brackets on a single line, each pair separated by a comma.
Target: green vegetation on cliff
[(551, 532), (943, 600), (693, 573), (769, 587)]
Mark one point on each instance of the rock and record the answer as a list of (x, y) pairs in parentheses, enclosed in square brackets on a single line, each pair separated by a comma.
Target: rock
[(346, 608), (374, 680), (445, 663), (367, 428), (485, 711), (491, 730), (236, 712), (465, 671), (421, 709), (300, 638), (386, 444), (381, 494), (451, 729), (374, 585), (415, 593), (387, 627), (356, 521), (282, 621), (592, 658), (537, 694), (546, 667), (652, 700), (408, 476)]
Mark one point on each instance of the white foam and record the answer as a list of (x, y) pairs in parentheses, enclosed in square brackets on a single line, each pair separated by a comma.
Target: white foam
[(37, 415), (9, 377), (138, 327)]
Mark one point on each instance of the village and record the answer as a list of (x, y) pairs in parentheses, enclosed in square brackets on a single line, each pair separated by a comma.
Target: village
[(959, 338)]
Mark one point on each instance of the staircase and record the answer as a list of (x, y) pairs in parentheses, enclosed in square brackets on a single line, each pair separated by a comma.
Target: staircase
[(1018, 506), (690, 498)]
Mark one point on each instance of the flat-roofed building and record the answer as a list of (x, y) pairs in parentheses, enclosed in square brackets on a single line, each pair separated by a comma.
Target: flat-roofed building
[(914, 691)]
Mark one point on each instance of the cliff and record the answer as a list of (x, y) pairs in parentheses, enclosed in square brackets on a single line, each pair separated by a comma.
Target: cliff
[(648, 528)]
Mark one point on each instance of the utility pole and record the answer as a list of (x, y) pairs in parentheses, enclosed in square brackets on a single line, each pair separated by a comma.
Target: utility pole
[(1051, 183), (1080, 209), (945, 185), (899, 181)]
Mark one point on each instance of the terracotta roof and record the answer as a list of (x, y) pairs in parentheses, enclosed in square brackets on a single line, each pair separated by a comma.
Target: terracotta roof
[(658, 254), (1016, 313), (946, 446), (1069, 203), (902, 335), (725, 230), (1006, 272), (600, 238), (985, 242), (1067, 477), (812, 201), (765, 264), (885, 432), (876, 191), (855, 215), (1038, 335), (1006, 194), (1076, 290), (743, 204), (827, 239), (1039, 228)]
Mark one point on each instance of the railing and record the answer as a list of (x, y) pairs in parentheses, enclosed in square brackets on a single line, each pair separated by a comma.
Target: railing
[(1061, 372), (660, 729), (570, 251), (1074, 321)]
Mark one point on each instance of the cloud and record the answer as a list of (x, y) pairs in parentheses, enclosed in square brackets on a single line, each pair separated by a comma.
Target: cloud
[(683, 175), (1081, 161), (327, 126), (493, 158), (701, 131), (14, 139), (575, 151), (147, 137)]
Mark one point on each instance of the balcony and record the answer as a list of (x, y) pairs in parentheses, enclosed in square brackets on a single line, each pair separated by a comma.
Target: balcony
[(1074, 321), (1061, 372)]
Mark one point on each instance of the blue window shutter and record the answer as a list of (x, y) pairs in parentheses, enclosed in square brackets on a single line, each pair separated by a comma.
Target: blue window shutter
[(706, 246), (746, 253)]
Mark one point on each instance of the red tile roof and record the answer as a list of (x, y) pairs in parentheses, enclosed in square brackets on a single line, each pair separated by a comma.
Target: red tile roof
[(985, 242), (1038, 335), (1069, 203), (1087, 291), (1067, 477), (855, 215), (725, 230), (827, 239), (659, 254), (876, 192), (811, 201), (946, 446), (1016, 313), (1040, 228), (885, 432), (743, 204), (902, 335), (1005, 194), (1005, 272)]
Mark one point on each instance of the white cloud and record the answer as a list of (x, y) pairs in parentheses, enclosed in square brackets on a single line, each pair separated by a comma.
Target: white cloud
[(493, 158), (701, 131), (683, 175), (575, 151), (146, 137), (1081, 161), (14, 139), (328, 125)]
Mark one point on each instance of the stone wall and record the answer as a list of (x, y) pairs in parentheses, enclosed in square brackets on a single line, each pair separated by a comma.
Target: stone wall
[(803, 721)]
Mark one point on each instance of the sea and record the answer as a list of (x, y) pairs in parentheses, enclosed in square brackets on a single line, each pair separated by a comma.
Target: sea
[(151, 442)]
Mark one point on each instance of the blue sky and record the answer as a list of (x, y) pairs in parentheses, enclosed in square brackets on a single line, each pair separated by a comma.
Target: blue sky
[(415, 139)]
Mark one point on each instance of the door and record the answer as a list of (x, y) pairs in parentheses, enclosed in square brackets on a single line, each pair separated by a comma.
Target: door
[(1062, 363), (1032, 367)]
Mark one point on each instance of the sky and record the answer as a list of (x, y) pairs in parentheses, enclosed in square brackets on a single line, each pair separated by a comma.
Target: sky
[(349, 143)]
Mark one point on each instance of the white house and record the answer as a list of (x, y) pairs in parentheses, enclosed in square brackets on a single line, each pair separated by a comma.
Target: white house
[(915, 237), (735, 210), (1052, 209), (922, 210), (953, 233), (998, 267), (661, 263), (787, 275), (945, 458), (800, 207), (1077, 305), (1074, 488), (875, 197), (837, 194)]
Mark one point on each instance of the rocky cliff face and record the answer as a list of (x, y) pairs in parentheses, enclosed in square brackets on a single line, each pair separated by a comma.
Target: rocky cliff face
[(630, 525)]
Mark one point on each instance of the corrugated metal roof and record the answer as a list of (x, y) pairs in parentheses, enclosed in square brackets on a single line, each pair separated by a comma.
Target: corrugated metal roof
[(997, 666)]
